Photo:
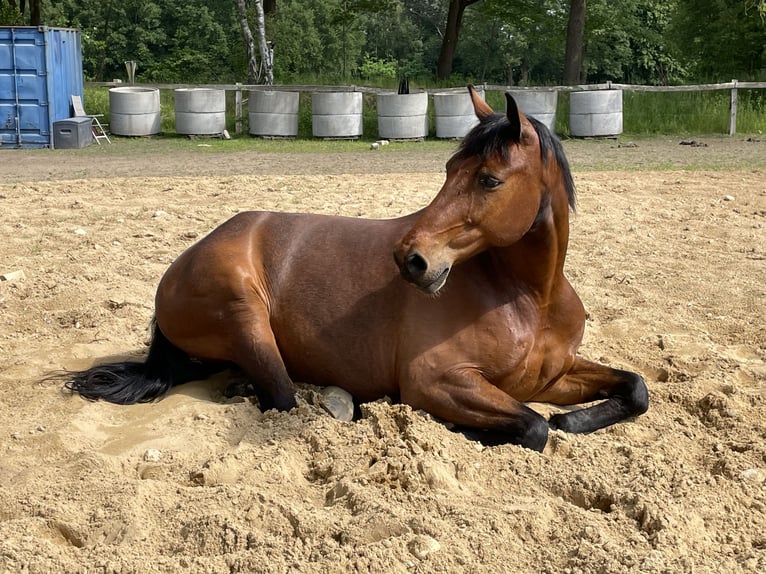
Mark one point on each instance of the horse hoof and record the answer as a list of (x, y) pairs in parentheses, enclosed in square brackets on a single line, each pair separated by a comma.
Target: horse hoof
[(239, 389), (536, 435), (339, 403)]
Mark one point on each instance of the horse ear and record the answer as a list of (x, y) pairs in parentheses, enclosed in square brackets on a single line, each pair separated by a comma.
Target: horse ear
[(480, 107), (512, 112)]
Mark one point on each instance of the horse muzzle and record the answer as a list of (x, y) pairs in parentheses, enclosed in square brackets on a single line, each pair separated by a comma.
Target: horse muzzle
[(416, 269)]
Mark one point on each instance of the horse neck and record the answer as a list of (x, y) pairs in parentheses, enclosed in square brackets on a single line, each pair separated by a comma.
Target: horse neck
[(537, 259)]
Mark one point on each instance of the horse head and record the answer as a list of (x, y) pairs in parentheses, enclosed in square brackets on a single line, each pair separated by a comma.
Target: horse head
[(499, 183)]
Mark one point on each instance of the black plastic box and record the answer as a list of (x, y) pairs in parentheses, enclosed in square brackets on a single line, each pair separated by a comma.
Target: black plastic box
[(72, 133)]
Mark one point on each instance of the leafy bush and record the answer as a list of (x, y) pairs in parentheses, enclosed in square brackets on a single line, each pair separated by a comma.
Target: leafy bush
[(378, 68), (10, 15)]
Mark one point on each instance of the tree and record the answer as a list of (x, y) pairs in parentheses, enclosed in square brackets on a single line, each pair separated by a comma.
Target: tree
[(500, 41), (574, 49), (728, 42), (296, 55), (198, 45), (330, 45), (267, 55), (514, 42), (10, 15), (393, 45), (629, 42), (247, 35), (759, 6), (20, 8), (35, 12), (172, 41), (451, 35)]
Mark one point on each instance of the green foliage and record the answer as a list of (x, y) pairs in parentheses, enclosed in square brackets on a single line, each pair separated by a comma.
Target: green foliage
[(391, 35), (10, 15), (720, 39), (197, 45), (757, 5), (294, 54), (378, 68), (329, 44), (625, 42), (172, 41), (343, 41), (96, 101), (514, 42), (609, 29), (523, 42), (652, 61)]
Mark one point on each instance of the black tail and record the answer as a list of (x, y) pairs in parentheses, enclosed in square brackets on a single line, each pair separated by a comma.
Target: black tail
[(130, 382)]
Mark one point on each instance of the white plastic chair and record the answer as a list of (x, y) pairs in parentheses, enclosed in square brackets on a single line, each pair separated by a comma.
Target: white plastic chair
[(99, 133)]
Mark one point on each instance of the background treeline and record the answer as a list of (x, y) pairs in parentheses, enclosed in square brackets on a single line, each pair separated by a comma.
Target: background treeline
[(377, 41)]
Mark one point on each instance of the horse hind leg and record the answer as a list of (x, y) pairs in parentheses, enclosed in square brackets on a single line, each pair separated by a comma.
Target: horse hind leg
[(255, 352), (625, 395)]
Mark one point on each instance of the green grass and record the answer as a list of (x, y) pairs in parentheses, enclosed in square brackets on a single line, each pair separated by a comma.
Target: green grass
[(96, 101), (168, 143), (644, 113), (685, 113)]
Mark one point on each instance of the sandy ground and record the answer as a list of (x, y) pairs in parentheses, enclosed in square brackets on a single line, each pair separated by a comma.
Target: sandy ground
[(671, 266)]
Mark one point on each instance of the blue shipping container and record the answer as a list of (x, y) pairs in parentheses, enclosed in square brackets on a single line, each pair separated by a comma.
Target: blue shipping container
[(40, 71)]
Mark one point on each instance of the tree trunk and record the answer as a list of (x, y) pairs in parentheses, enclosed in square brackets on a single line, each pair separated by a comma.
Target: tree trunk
[(105, 43), (574, 49), (35, 13), (450, 38), (252, 59), (35, 10), (267, 56)]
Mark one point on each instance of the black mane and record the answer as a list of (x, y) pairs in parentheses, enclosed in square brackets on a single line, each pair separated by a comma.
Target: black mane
[(493, 135)]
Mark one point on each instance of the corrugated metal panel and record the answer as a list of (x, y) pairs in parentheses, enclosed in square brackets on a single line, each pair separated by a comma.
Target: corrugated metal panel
[(40, 70)]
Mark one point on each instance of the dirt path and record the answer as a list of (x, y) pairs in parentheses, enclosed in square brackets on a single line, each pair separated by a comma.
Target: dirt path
[(165, 157)]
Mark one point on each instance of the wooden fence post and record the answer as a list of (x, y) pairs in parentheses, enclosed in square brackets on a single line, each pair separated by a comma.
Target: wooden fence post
[(238, 109), (733, 109)]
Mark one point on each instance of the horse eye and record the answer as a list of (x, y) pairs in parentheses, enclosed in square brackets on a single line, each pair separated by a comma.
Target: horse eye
[(488, 181)]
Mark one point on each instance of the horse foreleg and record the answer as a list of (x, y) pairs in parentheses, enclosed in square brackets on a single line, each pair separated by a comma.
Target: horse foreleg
[(625, 393), (467, 399), (255, 351)]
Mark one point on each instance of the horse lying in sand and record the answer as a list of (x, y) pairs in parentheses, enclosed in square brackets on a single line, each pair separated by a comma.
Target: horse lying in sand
[(490, 323)]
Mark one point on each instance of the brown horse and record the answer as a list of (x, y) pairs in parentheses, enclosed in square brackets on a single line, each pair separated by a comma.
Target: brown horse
[(492, 323)]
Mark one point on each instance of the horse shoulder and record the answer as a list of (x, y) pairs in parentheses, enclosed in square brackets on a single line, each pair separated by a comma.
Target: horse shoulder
[(513, 341)]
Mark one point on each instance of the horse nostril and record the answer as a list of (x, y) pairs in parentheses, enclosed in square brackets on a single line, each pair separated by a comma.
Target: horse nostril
[(415, 264)]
